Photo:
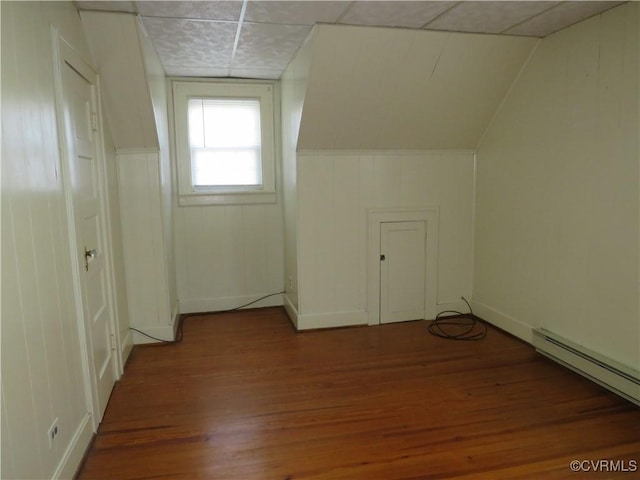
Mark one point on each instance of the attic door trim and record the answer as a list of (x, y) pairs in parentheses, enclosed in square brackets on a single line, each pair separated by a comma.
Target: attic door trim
[(375, 217)]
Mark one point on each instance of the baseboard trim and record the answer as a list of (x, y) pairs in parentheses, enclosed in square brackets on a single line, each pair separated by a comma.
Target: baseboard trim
[(126, 346), (315, 321), (165, 333), (73, 455), (503, 321), (292, 311), (199, 305)]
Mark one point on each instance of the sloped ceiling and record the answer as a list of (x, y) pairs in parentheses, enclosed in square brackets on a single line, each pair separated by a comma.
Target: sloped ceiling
[(384, 89), (115, 46)]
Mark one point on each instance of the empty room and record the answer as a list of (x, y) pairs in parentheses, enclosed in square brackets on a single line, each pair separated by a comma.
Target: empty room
[(254, 239)]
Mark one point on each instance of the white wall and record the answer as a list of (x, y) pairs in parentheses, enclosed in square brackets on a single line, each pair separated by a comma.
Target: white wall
[(41, 359), (335, 189), (230, 255), (114, 41), (375, 88), (557, 220), (293, 88), (227, 256), (144, 245), (157, 85), (121, 300)]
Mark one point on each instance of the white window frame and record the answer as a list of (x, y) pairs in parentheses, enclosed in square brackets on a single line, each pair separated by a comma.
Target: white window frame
[(188, 194)]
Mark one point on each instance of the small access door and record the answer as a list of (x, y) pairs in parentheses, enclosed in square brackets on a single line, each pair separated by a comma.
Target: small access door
[(402, 271)]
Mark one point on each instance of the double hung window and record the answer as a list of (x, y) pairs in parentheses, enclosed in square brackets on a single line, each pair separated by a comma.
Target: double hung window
[(224, 142)]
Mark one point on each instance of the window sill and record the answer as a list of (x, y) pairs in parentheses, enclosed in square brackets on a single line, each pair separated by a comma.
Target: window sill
[(240, 198)]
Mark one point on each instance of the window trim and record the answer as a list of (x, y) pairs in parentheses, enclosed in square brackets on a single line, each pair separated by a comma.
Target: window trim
[(188, 194)]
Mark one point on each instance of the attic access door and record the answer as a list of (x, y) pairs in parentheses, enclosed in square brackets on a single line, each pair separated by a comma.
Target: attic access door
[(402, 230), (402, 271)]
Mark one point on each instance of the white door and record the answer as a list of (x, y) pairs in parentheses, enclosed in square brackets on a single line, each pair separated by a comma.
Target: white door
[(402, 271), (83, 179)]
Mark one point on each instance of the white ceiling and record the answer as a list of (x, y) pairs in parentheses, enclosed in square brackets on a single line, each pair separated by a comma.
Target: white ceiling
[(257, 39)]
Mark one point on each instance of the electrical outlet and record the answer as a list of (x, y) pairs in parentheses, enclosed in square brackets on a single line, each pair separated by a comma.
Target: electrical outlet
[(53, 432)]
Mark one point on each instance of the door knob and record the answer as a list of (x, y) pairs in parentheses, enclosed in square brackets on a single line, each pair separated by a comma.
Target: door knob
[(88, 254)]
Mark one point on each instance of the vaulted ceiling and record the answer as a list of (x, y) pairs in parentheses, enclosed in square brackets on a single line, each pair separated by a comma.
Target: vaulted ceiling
[(257, 39)]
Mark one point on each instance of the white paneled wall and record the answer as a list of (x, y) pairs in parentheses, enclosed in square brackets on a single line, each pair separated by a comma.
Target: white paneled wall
[(335, 189), (157, 87), (42, 376), (557, 220), (227, 256), (121, 299), (147, 273), (293, 88)]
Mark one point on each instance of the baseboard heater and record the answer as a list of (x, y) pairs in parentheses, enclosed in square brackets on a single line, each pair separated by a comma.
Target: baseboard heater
[(620, 379)]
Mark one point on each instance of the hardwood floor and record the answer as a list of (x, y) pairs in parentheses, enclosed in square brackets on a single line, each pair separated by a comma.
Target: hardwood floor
[(245, 397)]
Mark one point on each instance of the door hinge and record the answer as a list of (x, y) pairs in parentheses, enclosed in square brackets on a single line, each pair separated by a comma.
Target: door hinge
[(113, 342), (94, 121)]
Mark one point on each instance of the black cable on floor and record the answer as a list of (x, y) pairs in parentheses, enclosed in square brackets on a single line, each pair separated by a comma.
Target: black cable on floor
[(179, 332), (454, 325)]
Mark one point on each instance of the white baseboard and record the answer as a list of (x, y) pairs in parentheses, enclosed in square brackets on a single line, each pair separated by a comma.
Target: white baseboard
[(314, 321), (126, 346), (165, 332), (503, 321), (291, 310), (452, 305), (198, 305), (73, 455)]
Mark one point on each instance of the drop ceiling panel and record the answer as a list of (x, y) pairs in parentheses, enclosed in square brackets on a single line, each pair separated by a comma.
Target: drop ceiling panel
[(191, 43), (107, 6), (294, 13), (180, 71), (559, 17), (488, 17), (218, 10), (266, 73), (394, 14), (210, 37), (268, 46)]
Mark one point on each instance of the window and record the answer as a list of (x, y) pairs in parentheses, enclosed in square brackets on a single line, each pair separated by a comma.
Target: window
[(224, 142)]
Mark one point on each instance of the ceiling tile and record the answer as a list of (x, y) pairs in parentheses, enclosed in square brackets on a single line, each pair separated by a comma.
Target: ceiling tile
[(394, 14), (488, 17), (191, 43), (268, 46), (559, 17), (294, 13), (218, 10), (266, 73), (107, 6), (180, 71)]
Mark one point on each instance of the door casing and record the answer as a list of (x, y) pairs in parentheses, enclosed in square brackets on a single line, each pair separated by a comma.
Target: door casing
[(65, 53)]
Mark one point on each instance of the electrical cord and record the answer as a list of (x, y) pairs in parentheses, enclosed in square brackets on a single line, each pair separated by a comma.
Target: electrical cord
[(448, 323), (179, 333)]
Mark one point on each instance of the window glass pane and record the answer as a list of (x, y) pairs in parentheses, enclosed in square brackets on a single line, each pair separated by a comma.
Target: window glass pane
[(211, 167), (231, 123), (224, 139), (196, 123)]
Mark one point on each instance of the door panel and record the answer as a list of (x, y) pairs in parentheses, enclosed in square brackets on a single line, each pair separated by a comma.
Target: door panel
[(80, 103), (402, 272)]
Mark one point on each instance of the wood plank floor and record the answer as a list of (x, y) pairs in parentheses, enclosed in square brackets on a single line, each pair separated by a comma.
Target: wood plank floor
[(245, 397)]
